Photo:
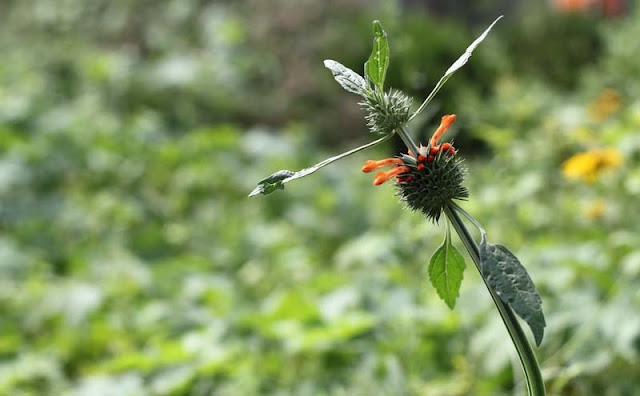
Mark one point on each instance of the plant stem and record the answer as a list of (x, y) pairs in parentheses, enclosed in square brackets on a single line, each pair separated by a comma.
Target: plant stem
[(535, 384), (406, 138)]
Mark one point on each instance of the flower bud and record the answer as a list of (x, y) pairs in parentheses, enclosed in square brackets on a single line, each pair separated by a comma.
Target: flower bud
[(386, 111)]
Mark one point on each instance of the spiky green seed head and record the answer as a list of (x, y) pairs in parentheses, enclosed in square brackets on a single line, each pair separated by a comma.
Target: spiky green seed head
[(429, 188), (386, 111)]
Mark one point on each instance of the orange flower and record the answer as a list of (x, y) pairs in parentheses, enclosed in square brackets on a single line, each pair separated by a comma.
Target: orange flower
[(382, 177), (606, 104), (445, 123), (573, 5), (370, 165), (404, 165)]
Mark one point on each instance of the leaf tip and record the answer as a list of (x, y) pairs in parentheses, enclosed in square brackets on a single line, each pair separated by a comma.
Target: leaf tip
[(329, 64), (378, 30), (271, 183), (538, 334), (538, 331), (493, 23)]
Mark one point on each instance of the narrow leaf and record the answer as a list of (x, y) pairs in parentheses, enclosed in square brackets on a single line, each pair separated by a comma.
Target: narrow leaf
[(375, 68), (446, 271), (508, 277), (271, 183), (347, 78), (454, 67), (277, 180), (467, 54)]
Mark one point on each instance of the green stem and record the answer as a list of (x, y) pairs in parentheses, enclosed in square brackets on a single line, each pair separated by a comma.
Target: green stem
[(535, 384), (406, 138)]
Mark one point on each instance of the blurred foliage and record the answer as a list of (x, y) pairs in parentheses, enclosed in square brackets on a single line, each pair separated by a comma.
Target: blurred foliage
[(553, 46), (132, 263)]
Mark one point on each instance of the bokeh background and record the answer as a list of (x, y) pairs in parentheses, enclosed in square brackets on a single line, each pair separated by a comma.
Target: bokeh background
[(133, 263)]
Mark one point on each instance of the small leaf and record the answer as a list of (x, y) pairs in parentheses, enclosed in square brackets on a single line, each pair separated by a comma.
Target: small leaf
[(272, 183), (467, 54), (453, 68), (347, 78), (375, 68), (277, 180), (512, 283), (446, 271)]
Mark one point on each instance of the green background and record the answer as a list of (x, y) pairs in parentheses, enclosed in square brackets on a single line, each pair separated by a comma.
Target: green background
[(132, 263)]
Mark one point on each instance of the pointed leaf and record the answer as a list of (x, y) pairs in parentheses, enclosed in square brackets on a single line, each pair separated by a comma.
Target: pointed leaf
[(375, 68), (277, 180), (446, 271), (453, 68), (350, 80), (272, 183), (467, 54), (508, 277)]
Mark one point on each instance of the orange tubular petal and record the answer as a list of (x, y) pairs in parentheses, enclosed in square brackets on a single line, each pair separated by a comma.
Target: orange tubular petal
[(445, 123), (382, 177), (370, 165), (445, 147)]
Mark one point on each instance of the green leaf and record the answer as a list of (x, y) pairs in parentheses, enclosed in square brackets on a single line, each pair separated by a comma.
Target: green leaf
[(375, 68), (461, 61), (347, 78), (446, 271), (272, 183), (276, 181), (504, 273)]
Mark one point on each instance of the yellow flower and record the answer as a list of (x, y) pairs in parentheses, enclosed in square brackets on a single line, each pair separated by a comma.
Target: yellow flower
[(595, 210), (588, 165)]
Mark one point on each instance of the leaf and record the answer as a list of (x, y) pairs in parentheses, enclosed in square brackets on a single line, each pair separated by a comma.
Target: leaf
[(271, 183), (461, 61), (276, 181), (375, 68), (347, 78), (504, 273), (446, 269)]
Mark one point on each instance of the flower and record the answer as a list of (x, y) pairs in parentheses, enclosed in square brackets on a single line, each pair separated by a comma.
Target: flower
[(607, 103), (428, 181), (572, 5), (386, 111), (388, 114), (595, 210), (589, 165)]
